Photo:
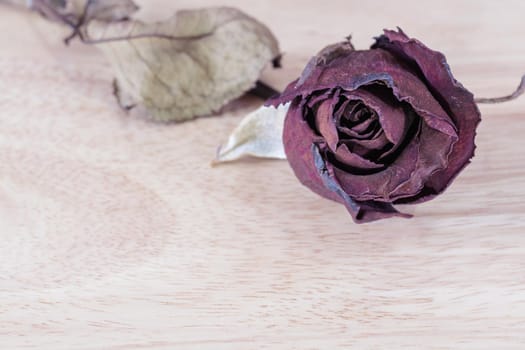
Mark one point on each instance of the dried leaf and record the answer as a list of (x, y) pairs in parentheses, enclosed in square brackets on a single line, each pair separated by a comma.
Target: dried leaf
[(109, 10), (258, 135), (77, 13), (189, 65)]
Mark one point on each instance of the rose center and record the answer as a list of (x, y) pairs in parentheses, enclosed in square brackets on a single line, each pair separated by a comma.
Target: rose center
[(359, 129), (362, 130), (357, 121)]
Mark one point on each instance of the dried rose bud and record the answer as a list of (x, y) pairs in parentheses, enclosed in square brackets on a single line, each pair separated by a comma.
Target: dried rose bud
[(378, 127)]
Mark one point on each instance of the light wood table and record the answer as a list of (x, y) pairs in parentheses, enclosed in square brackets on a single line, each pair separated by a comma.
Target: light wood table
[(115, 232)]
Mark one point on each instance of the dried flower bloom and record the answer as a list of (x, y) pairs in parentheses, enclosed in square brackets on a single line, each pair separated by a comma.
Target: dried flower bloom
[(378, 127)]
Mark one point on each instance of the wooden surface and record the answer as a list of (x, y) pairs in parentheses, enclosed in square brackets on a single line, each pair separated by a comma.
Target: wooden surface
[(116, 233)]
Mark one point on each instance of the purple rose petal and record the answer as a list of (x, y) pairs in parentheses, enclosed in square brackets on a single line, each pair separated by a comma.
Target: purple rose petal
[(378, 127)]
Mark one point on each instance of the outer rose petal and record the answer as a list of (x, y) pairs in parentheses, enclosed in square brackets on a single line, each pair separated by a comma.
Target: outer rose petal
[(361, 211), (379, 186), (298, 139), (354, 160), (358, 68), (433, 151), (426, 153), (458, 101), (325, 124), (300, 142)]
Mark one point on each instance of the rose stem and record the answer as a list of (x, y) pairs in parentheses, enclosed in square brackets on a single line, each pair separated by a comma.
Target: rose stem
[(263, 90), (519, 91)]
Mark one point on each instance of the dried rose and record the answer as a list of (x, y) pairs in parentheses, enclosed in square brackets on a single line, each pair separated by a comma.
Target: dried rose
[(373, 128)]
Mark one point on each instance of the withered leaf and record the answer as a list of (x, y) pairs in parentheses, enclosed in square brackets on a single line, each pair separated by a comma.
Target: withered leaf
[(77, 13), (189, 65), (108, 10), (258, 135)]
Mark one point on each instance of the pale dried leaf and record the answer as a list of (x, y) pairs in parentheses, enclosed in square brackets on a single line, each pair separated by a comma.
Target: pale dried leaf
[(110, 10), (189, 65), (77, 13), (258, 135)]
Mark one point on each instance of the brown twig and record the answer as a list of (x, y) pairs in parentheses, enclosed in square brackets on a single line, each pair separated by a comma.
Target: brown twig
[(519, 91), (263, 90)]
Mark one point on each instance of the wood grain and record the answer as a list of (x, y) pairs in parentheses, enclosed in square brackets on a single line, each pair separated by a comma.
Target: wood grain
[(117, 234)]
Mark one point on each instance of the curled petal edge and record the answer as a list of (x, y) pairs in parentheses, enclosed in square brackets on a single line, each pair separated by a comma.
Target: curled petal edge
[(361, 212)]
